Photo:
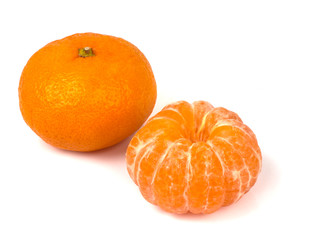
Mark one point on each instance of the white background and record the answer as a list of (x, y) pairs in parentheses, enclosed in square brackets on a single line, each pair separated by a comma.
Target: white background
[(261, 59)]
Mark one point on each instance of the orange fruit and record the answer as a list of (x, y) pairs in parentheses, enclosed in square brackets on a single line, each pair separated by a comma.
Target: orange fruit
[(194, 158), (87, 91)]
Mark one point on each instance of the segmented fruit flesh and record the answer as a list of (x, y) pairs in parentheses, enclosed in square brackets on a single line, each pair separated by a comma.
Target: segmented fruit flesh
[(194, 158)]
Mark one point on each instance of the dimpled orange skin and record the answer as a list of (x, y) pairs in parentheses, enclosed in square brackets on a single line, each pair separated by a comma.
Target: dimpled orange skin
[(194, 158), (86, 103)]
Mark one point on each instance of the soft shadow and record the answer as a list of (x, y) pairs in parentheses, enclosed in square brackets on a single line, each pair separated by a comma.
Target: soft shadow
[(267, 181), (113, 156)]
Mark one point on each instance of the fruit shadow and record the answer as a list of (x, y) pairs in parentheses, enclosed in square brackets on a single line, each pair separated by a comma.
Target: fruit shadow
[(112, 157), (268, 180)]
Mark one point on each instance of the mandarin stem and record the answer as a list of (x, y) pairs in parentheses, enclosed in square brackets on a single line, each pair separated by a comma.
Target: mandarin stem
[(86, 52)]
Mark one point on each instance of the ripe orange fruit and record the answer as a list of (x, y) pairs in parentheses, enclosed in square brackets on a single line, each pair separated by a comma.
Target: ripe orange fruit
[(87, 91), (194, 157)]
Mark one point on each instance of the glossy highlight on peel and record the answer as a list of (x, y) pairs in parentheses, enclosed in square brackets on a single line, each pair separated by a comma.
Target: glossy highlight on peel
[(194, 158)]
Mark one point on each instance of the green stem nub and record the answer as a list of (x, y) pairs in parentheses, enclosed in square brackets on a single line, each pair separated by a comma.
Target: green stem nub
[(86, 52)]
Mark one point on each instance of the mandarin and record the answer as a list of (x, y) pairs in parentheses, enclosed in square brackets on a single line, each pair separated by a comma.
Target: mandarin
[(194, 158), (87, 91)]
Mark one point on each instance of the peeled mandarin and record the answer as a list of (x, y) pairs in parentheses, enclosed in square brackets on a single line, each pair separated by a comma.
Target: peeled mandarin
[(194, 158)]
